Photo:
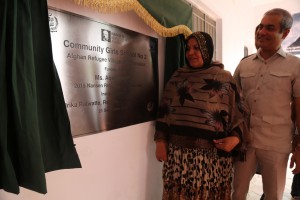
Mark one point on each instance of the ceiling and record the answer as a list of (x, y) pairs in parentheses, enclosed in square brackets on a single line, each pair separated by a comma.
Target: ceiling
[(263, 2)]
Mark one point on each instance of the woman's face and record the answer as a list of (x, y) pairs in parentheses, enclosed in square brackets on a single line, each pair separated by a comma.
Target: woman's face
[(193, 53)]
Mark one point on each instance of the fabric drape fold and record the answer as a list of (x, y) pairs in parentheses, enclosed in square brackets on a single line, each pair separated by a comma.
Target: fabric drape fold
[(114, 6), (34, 125), (170, 13)]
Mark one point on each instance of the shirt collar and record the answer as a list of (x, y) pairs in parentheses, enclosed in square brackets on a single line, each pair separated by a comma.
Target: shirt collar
[(280, 52)]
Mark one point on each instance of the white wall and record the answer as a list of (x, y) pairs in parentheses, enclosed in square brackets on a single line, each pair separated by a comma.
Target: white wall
[(293, 6), (120, 164)]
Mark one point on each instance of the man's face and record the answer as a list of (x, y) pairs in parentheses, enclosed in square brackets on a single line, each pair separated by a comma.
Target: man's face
[(269, 36)]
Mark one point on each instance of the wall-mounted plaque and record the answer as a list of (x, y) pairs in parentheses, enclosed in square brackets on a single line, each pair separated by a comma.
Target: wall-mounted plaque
[(109, 74)]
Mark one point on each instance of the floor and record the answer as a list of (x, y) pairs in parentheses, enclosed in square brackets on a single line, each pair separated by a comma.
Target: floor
[(255, 190)]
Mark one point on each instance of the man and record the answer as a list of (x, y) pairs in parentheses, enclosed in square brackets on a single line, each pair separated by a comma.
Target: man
[(270, 80)]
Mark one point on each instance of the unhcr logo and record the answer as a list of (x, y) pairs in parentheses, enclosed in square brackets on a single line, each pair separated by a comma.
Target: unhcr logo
[(53, 22), (105, 35)]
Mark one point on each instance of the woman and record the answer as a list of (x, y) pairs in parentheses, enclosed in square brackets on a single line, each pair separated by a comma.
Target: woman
[(199, 126)]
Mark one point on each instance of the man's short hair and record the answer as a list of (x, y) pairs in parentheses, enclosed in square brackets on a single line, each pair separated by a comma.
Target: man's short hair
[(287, 19)]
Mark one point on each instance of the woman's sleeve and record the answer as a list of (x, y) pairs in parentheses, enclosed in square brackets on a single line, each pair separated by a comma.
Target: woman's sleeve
[(163, 114), (239, 119)]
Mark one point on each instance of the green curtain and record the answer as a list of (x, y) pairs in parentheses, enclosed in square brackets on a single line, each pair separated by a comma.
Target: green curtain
[(170, 13), (35, 134)]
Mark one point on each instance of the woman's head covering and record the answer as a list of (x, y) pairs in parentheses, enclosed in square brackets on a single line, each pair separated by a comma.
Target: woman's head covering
[(206, 46)]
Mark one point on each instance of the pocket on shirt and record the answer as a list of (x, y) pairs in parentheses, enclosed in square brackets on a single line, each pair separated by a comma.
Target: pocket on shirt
[(273, 120), (280, 80), (281, 129), (247, 80)]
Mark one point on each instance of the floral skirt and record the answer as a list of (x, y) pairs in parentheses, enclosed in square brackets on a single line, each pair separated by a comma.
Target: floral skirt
[(196, 174)]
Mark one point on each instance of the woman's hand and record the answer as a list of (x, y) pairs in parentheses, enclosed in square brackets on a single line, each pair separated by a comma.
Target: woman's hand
[(161, 151), (227, 143)]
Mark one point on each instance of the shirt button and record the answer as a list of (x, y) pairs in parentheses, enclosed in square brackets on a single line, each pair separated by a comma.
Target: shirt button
[(261, 75), (258, 88), (254, 101)]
